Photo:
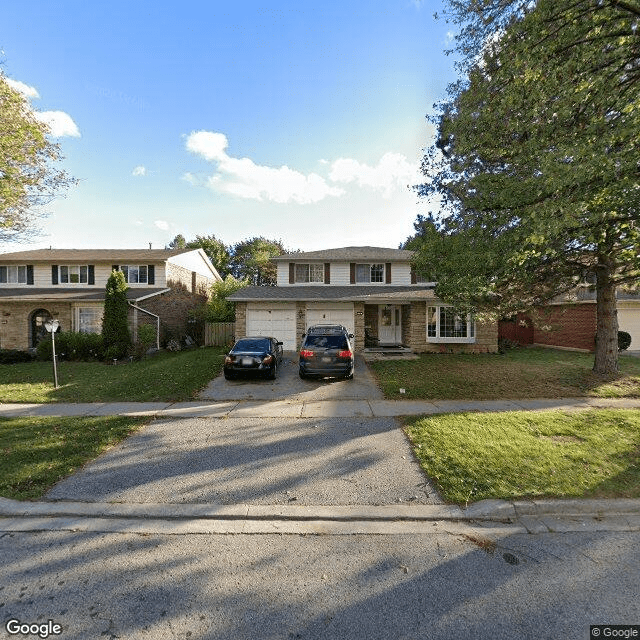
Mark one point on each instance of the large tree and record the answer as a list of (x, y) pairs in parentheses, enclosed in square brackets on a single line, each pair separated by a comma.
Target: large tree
[(116, 336), (28, 177), (536, 159), (251, 260), (216, 251)]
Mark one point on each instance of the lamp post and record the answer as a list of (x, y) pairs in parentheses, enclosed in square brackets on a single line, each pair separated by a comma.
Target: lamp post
[(52, 326)]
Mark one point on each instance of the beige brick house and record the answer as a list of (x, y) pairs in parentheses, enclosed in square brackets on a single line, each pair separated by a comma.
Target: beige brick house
[(373, 291), (69, 285)]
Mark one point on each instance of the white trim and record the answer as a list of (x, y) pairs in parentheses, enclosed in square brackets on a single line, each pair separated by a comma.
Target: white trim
[(151, 295), (471, 328)]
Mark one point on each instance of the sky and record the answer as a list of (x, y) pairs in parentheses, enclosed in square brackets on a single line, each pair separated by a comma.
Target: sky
[(303, 122)]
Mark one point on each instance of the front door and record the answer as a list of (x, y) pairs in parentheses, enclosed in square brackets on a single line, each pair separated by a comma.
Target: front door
[(390, 324)]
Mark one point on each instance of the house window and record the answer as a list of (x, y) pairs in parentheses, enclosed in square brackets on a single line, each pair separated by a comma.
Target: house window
[(134, 274), (444, 325), (13, 274), (310, 273), (90, 319), (74, 274), (367, 273)]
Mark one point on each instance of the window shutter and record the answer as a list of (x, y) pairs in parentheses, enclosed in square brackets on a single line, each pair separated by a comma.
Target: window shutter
[(29, 274), (414, 276), (352, 272), (54, 274), (327, 273), (387, 274), (292, 273), (151, 274), (91, 274)]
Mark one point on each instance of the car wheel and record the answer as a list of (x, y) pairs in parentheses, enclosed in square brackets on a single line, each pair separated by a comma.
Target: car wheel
[(229, 376), (302, 375), (349, 376), (273, 372)]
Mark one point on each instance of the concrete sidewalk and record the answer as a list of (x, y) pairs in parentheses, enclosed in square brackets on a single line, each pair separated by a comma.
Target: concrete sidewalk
[(310, 409), (488, 519)]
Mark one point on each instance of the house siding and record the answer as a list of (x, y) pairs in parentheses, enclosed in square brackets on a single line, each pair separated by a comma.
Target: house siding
[(15, 326)]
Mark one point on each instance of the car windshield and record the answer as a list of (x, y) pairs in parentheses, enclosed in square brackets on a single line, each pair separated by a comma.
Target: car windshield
[(252, 344), (326, 342)]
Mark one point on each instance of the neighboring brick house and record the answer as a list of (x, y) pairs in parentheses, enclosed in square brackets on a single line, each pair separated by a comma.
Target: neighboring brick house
[(69, 285), (372, 291), (572, 324)]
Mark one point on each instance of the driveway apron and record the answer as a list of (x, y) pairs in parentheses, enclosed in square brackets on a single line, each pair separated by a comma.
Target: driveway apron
[(251, 460)]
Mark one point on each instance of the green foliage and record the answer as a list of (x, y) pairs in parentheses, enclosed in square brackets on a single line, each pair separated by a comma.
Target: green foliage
[(219, 308), (536, 159), (216, 251), (146, 339), (72, 345), (13, 356), (26, 166), (115, 325), (251, 260)]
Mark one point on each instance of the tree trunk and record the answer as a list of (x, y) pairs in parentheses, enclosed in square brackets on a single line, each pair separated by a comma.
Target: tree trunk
[(606, 357)]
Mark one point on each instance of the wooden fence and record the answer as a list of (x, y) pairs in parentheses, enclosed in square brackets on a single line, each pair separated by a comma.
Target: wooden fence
[(219, 334)]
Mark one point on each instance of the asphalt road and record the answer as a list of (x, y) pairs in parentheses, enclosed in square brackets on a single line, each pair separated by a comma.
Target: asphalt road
[(243, 587)]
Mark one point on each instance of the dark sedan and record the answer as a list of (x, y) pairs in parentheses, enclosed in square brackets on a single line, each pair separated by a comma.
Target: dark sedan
[(256, 356)]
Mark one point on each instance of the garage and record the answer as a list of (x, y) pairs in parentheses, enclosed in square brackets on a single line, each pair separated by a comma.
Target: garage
[(629, 321), (331, 313), (273, 319)]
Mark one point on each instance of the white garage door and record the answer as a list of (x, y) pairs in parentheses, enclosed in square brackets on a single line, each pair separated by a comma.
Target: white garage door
[(277, 320), (629, 321), (335, 313)]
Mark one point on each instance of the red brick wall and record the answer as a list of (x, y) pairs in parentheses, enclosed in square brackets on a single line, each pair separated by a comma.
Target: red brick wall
[(567, 325)]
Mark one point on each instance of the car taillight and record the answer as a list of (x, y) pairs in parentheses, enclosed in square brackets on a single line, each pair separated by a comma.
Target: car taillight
[(267, 359), (305, 353), (345, 354)]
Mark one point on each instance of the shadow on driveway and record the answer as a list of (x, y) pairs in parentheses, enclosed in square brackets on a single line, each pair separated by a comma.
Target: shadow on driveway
[(290, 387)]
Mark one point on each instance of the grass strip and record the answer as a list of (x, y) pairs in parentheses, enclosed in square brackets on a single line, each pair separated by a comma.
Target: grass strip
[(38, 452), (165, 377), (585, 454), (517, 374)]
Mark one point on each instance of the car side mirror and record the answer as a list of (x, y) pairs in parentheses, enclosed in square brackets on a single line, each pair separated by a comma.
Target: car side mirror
[(279, 343), (351, 335)]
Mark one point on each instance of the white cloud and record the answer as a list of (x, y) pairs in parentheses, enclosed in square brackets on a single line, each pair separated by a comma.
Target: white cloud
[(27, 91), (60, 123), (392, 172), (161, 224), (139, 171), (243, 178)]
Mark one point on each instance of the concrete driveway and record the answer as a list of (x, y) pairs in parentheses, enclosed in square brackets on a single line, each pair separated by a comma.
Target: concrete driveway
[(288, 386)]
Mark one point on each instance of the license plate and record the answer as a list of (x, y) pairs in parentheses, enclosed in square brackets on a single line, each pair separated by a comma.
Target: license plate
[(247, 362), (326, 359)]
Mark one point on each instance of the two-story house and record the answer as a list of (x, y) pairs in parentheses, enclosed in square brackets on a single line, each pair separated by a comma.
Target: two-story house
[(69, 285), (372, 291)]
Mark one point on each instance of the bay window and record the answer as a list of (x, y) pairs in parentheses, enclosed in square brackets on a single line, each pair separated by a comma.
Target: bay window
[(444, 325)]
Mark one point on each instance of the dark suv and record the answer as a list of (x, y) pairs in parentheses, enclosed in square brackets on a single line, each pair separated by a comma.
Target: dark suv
[(327, 352)]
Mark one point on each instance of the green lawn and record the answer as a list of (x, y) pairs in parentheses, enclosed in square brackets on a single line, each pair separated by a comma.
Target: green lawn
[(594, 453), (168, 377), (38, 452), (520, 373)]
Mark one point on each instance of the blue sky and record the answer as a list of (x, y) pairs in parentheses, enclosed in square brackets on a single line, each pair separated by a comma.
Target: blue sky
[(302, 121)]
